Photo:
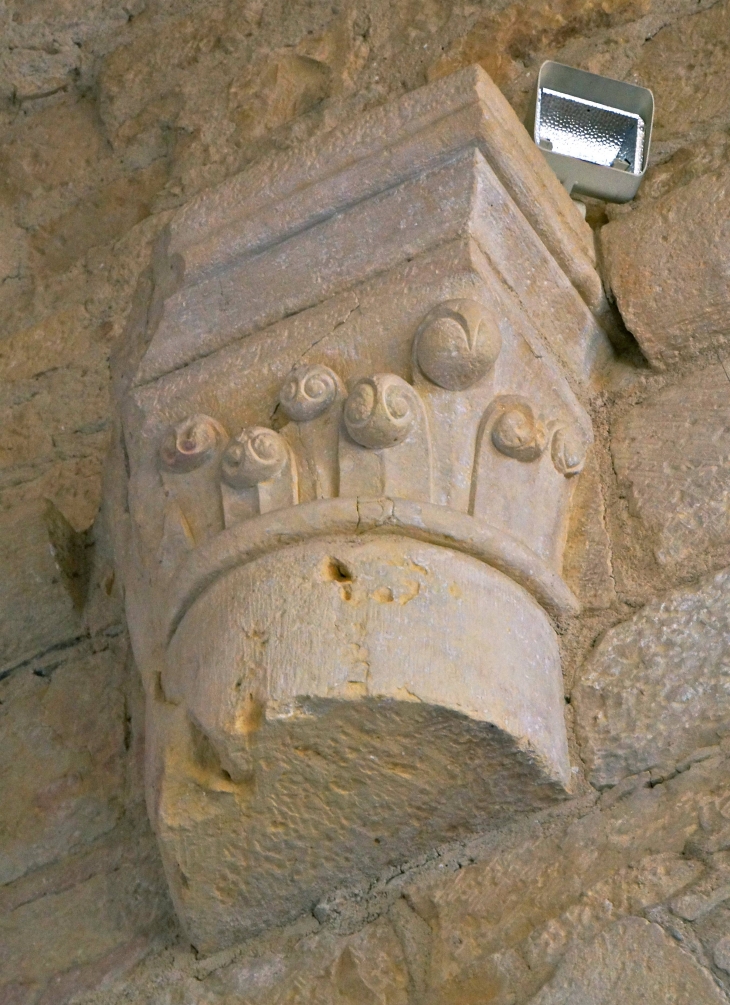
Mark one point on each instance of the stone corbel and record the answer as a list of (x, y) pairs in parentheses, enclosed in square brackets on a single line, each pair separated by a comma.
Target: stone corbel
[(351, 446)]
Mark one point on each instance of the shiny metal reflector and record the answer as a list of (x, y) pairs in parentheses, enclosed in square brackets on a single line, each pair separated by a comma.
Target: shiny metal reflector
[(593, 131), (589, 131)]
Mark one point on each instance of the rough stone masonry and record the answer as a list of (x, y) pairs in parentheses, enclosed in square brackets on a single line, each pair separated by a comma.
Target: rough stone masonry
[(116, 119)]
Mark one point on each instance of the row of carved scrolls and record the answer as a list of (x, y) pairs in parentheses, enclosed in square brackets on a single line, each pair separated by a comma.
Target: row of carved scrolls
[(373, 441)]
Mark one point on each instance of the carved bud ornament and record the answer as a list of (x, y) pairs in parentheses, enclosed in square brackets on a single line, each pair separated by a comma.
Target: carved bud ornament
[(457, 344), (517, 433), (568, 452)]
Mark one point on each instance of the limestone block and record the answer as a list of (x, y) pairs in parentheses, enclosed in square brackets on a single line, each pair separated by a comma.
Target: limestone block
[(70, 190), (668, 264), (368, 967), (670, 455), (588, 560), (54, 404), (690, 94), (657, 687), (376, 174), (37, 609), (62, 757), (496, 916), (545, 887), (75, 937), (632, 961), (345, 502)]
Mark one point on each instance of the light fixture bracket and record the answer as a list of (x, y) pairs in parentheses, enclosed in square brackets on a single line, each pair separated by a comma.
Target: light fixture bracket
[(593, 131)]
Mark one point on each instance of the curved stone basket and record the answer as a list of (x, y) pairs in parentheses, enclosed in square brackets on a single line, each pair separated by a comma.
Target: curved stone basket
[(360, 694)]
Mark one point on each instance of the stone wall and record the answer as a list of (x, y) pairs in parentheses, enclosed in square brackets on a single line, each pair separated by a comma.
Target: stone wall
[(113, 115)]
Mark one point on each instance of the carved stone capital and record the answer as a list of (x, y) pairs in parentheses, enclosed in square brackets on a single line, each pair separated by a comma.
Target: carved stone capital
[(351, 447)]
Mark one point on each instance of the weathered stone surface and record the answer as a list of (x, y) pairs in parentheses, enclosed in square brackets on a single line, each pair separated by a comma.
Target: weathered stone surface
[(657, 687), (380, 172), (37, 609), (668, 265), (72, 193), (587, 562), (500, 40), (63, 756), (83, 922), (672, 461), (496, 917), (690, 95), (54, 382), (631, 961)]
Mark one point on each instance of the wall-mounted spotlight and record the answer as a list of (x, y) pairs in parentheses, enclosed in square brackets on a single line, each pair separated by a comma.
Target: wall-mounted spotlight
[(594, 131)]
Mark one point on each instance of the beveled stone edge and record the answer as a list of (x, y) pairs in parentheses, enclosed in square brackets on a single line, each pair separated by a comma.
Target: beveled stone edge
[(369, 141), (426, 522)]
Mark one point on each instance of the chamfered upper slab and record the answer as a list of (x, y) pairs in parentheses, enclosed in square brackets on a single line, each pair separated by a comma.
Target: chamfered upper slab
[(313, 196)]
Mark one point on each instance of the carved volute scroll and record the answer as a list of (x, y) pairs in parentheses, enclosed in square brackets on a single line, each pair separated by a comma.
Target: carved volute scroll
[(311, 397), (517, 433), (189, 458), (191, 444), (532, 458), (351, 447), (385, 448), (259, 475), (256, 455), (308, 392), (380, 411)]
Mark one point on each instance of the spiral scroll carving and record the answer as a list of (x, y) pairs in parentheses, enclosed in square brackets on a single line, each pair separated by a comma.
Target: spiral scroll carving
[(308, 392), (568, 452), (457, 344), (256, 455), (517, 433), (380, 411), (191, 443)]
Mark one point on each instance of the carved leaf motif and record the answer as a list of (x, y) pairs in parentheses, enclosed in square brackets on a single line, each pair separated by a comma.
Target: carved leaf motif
[(388, 449), (259, 475), (189, 456), (312, 397)]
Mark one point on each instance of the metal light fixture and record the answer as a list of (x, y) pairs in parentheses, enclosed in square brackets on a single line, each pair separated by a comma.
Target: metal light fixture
[(593, 131)]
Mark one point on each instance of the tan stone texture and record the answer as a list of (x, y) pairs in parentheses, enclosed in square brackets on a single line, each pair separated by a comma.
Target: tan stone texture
[(668, 266), (587, 563), (671, 461), (580, 902), (632, 959), (655, 690), (114, 114)]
